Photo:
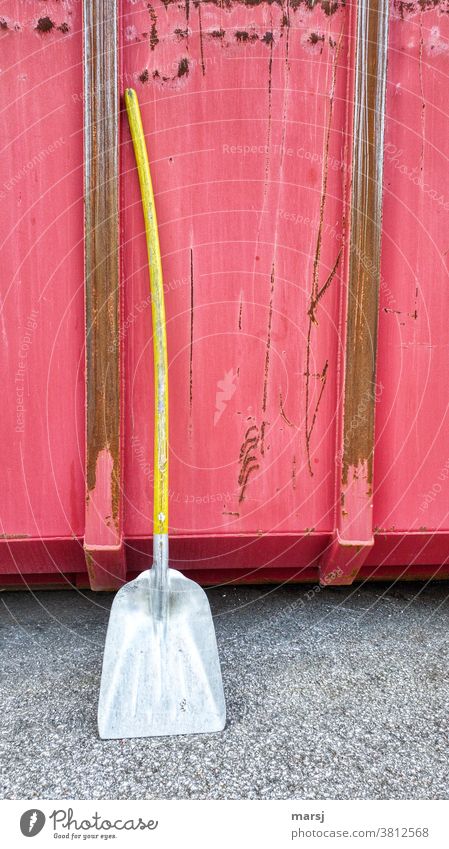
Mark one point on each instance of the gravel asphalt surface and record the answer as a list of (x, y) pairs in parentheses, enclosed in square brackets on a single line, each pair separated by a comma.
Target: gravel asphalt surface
[(331, 694)]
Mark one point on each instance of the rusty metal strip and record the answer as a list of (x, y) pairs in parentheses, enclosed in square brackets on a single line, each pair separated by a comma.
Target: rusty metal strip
[(103, 533), (366, 223), (353, 536)]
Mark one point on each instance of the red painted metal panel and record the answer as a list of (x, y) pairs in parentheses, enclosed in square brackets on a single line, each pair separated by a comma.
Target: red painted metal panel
[(245, 107), (239, 138), (41, 225), (412, 468)]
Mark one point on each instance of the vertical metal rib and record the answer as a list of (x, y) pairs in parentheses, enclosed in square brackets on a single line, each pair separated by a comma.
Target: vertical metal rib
[(365, 238), (101, 175), (103, 533)]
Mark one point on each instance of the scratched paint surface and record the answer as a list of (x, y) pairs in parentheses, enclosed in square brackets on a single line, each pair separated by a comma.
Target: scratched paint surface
[(244, 111), (42, 364), (411, 453)]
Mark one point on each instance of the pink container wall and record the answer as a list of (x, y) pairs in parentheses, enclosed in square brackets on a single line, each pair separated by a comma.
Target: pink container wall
[(247, 121)]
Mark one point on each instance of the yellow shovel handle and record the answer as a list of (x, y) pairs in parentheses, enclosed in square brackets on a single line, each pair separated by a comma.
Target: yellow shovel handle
[(160, 510)]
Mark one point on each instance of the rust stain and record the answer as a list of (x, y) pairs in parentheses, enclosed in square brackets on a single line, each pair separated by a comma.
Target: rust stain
[(270, 87), (329, 7), (101, 243), (44, 24), (286, 26), (268, 38), (365, 238), (248, 458), (91, 568), (15, 536), (408, 8), (245, 37), (183, 67), (316, 261), (318, 291), (268, 143), (286, 85), (154, 38), (156, 75)]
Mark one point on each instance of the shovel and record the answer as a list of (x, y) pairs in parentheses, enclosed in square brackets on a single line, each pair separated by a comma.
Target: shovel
[(161, 672)]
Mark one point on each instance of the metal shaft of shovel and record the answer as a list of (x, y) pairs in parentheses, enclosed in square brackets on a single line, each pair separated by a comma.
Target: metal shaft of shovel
[(161, 672), (160, 503)]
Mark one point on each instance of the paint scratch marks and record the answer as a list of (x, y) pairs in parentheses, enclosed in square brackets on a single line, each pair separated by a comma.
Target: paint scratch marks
[(315, 299), (240, 310), (262, 437), (421, 90), (282, 410), (309, 430), (248, 458)]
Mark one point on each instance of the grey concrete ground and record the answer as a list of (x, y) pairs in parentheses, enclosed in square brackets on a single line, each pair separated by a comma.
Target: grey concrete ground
[(341, 693)]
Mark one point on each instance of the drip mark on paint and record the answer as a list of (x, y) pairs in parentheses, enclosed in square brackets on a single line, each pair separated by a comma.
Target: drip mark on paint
[(268, 344), (191, 337), (317, 292), (200, 27)]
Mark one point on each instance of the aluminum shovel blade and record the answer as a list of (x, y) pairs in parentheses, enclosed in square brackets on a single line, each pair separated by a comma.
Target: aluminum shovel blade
[(161, 673)]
